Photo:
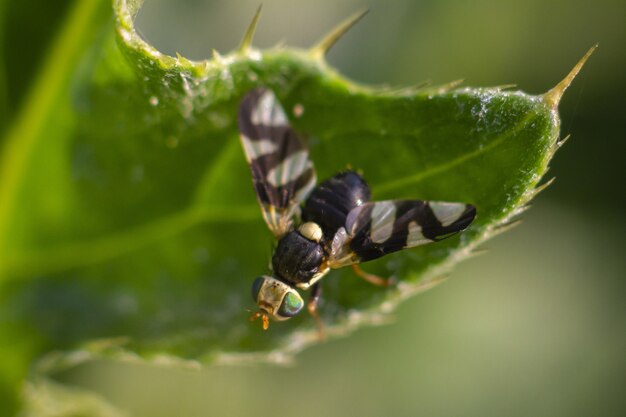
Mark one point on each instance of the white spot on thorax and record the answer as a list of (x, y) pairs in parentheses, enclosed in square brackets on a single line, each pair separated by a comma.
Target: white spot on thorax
[(154, 101), (311, 231)]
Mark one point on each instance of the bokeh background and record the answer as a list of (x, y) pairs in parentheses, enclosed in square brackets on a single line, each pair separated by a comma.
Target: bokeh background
[(536, 326)]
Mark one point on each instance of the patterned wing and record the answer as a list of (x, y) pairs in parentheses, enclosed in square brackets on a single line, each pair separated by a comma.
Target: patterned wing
[(282, 173), (375, 229)]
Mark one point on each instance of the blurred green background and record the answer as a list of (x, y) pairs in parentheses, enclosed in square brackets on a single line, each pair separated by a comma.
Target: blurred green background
[(534, 327)]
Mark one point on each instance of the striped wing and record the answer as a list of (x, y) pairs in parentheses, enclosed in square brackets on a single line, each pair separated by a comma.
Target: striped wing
[(375, 229), (282, 173)]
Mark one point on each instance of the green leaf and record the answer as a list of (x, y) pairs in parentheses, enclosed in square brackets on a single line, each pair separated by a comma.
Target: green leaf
[(4, 96), (128, 223), (20, 27), (46, 398)]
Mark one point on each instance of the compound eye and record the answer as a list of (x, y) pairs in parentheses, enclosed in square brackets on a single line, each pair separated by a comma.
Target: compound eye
[(291, 305), (256, 287)]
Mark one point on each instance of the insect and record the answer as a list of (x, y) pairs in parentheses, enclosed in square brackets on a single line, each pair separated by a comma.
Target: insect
[(323, 227)]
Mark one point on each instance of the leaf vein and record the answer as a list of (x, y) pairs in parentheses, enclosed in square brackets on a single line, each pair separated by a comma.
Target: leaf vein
[(392, 185)]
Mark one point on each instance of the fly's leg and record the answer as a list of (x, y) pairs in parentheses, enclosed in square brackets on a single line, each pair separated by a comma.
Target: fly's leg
[(316, 292), (371, 278)]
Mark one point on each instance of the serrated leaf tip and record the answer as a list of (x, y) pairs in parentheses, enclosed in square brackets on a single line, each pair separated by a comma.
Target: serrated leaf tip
[(553, 97), (323, 46), (246, 42)]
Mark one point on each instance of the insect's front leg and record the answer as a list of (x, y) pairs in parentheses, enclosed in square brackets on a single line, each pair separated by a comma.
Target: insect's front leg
[(316, 292)]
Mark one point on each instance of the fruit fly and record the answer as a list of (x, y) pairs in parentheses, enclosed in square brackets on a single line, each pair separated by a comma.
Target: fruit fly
[(323, 226)]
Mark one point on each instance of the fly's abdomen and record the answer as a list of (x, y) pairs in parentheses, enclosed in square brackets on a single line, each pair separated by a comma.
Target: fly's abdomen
[(331, 201)]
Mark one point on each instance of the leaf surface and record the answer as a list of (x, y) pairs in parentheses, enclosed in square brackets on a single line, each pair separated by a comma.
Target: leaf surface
[(129, 225)]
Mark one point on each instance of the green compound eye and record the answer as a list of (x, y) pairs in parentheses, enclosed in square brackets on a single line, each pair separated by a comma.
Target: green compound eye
[(291, 305), (256, 287)]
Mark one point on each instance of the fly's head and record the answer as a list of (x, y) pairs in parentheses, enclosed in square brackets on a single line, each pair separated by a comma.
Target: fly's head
[(276, 300)]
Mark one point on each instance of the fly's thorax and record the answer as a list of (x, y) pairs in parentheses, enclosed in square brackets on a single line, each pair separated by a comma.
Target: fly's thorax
[(299, 254), (311, 231), (278, 299)]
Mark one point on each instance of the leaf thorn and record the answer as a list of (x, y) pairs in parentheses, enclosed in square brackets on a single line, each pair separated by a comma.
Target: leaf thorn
[(562, 142), (505, 227), (543, 186), (182, 60), (444, 88), (552, 97), (505, 86), (474, 253), (246, 42), (323, 46)]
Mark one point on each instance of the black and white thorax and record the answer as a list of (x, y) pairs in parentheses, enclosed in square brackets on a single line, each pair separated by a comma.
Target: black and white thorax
[(328, 226)]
